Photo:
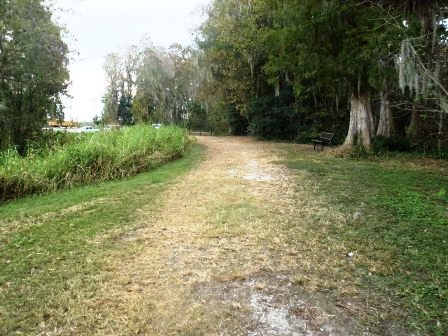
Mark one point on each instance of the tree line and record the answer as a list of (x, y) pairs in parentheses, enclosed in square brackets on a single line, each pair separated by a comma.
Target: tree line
[(373, 72), (369, 71), (366, 70), (151, 84)]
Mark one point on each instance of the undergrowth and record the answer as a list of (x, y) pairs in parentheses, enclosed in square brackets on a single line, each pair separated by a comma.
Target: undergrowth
[(88, 158)]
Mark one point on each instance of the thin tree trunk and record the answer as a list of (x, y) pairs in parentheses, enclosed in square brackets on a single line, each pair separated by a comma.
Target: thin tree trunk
[(385, 125), (415, 124), (361, 121), (439, 135)]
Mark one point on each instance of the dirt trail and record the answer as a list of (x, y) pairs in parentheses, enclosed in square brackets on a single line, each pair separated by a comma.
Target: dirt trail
[(215, 258)]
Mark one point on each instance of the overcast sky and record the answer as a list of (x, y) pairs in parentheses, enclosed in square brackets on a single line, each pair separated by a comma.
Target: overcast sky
[(98, 27)]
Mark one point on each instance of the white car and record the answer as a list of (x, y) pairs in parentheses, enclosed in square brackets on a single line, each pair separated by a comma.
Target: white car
[(88, 129)]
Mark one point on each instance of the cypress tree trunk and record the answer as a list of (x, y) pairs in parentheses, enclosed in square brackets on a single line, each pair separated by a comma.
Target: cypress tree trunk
[(361, 121), (385, 125)]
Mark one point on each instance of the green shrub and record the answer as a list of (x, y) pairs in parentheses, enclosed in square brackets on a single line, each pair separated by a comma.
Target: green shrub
[(48, 141), (358, 151), (273, 118), (381, 144), (87, 158)]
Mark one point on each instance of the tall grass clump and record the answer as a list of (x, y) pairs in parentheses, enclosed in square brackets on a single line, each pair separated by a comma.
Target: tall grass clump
[(89, 158)]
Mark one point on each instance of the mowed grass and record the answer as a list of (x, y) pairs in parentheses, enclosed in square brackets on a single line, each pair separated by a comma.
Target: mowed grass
[(397, 219), (87, 158), (389, 217), (53, 247)]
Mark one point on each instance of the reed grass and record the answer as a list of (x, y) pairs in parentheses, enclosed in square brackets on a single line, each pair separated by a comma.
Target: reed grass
[(89, 158)]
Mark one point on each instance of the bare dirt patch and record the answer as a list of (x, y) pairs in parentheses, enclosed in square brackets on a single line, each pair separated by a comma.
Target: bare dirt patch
[(220, 256)]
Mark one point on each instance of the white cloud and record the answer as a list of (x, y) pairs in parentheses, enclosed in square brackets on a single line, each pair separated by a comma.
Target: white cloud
[(98, 27)]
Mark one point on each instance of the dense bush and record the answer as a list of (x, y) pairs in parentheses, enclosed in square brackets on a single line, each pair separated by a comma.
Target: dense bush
[(89, 158), (381, 144), (43, 142), (273, 117), (238, 123)]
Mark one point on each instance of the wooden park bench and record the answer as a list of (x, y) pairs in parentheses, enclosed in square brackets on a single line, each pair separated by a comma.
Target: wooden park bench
[(324, 139)]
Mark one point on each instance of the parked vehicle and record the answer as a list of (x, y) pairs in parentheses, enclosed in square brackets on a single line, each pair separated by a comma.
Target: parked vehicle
[(88, 129)]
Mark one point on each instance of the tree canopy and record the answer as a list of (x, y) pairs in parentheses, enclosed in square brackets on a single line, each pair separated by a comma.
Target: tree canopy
[(358, 68), (33, 70)]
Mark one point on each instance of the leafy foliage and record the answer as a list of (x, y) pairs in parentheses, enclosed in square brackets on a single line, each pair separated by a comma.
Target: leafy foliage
[(273, 117), (33, 70), (125, 116), (328, 52), (150, 84)]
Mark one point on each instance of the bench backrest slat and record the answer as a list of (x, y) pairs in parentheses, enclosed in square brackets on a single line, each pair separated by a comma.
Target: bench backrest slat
[(327, 136)]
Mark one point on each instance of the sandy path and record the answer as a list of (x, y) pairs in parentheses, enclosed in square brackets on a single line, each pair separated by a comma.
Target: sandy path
[(214, 260)]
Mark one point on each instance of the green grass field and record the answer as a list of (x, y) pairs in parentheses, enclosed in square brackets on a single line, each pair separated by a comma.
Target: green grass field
[(49, 253), (391, 214), (397, 219)]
